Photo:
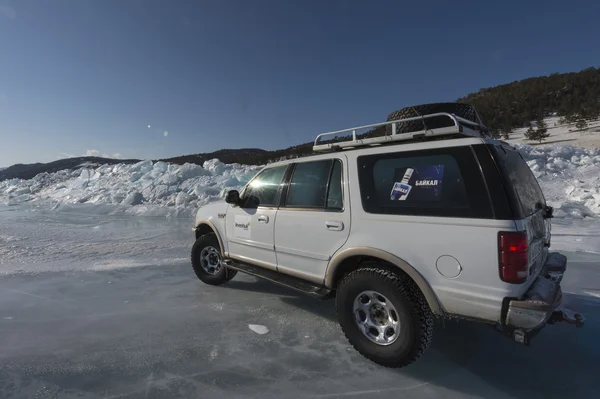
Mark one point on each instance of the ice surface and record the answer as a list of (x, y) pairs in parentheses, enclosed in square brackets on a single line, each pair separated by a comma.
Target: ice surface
[(144, 188), (109, 307)]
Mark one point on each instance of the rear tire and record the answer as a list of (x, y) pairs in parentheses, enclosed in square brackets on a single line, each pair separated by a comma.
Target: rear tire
[(207, 261), (368, 323)]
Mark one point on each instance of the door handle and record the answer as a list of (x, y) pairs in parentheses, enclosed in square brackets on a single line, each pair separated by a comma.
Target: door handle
[(334, 225), (263, 219)]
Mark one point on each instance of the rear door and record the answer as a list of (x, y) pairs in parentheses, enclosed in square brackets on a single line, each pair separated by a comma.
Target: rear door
[(314, 219), (528, 203)]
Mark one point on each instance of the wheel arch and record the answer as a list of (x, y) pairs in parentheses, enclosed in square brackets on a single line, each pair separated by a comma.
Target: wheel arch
[(349, 259), (206, 227)]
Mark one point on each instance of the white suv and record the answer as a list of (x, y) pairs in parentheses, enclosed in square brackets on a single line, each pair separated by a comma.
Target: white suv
[(439, 221)]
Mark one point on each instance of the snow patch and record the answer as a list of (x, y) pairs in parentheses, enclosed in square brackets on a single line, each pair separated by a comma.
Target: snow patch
[(146, 188), (257, 328), (569, 177)]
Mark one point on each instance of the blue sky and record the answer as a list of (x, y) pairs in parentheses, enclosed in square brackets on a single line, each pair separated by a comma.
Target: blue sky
[(89, 75)]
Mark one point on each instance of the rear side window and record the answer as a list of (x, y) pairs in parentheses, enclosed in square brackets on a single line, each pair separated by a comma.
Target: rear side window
[(316, 184), (440, 182), (334, 196), (527, 194)]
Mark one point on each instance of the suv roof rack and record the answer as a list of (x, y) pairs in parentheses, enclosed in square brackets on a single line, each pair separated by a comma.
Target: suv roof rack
[(458, 125)]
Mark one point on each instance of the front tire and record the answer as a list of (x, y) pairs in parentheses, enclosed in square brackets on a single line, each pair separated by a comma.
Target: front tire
[(207, 261), (384, 315)]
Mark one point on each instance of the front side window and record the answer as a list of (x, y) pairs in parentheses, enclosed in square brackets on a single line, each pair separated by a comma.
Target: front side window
[(262, 190)]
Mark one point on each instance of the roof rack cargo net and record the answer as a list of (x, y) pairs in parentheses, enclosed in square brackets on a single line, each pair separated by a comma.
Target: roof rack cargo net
[(401, 126)]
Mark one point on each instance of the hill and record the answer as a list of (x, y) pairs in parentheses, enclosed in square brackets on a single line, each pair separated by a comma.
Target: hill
[(573, 96), (29, 171), (248, 156)]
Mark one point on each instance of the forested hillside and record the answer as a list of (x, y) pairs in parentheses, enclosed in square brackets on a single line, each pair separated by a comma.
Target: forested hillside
[(573, 96)]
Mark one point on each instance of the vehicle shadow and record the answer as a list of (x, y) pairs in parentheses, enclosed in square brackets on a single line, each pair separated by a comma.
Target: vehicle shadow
[(475, 359), (472, 358), (264, 286)]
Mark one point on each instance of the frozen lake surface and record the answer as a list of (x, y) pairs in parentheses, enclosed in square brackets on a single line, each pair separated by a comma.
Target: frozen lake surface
[(108, 307)]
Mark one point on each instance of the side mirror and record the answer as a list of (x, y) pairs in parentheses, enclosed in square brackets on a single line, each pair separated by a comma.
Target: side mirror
[(233, 197)]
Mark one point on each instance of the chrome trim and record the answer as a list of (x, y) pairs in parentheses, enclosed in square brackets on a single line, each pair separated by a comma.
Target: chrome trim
[(309, 209), (458, 127), (542, 298), (425, 288), (527, 319)]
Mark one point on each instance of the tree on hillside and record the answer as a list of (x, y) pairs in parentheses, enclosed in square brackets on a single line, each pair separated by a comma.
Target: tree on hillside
[(529, 133), (541, 125), (506, 131), (539, 134), (581, 124)]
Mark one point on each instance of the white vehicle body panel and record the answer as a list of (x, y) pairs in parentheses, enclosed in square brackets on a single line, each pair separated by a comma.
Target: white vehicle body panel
[(213, 214), (299, 243), (306, 240), (250, 234), (477, 292)]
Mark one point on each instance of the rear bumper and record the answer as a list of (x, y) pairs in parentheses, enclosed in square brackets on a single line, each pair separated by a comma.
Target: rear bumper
[(541, 303)]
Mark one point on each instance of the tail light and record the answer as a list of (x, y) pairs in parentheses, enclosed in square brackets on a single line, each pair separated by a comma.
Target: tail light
[(513, 257)]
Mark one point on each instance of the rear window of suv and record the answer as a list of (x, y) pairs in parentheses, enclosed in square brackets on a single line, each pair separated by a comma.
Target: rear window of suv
[(438, 182), (527, 196)]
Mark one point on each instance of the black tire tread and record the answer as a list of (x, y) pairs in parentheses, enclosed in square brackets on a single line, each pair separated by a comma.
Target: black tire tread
[(408, 290)]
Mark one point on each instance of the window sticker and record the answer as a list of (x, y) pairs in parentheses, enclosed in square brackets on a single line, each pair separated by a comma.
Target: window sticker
[(401, 190), (422, 183)]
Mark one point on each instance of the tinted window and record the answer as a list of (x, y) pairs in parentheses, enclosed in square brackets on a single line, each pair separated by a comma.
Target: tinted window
[(334, 197), (308, 187), (265, 185), (520, 179), (441, 182)]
